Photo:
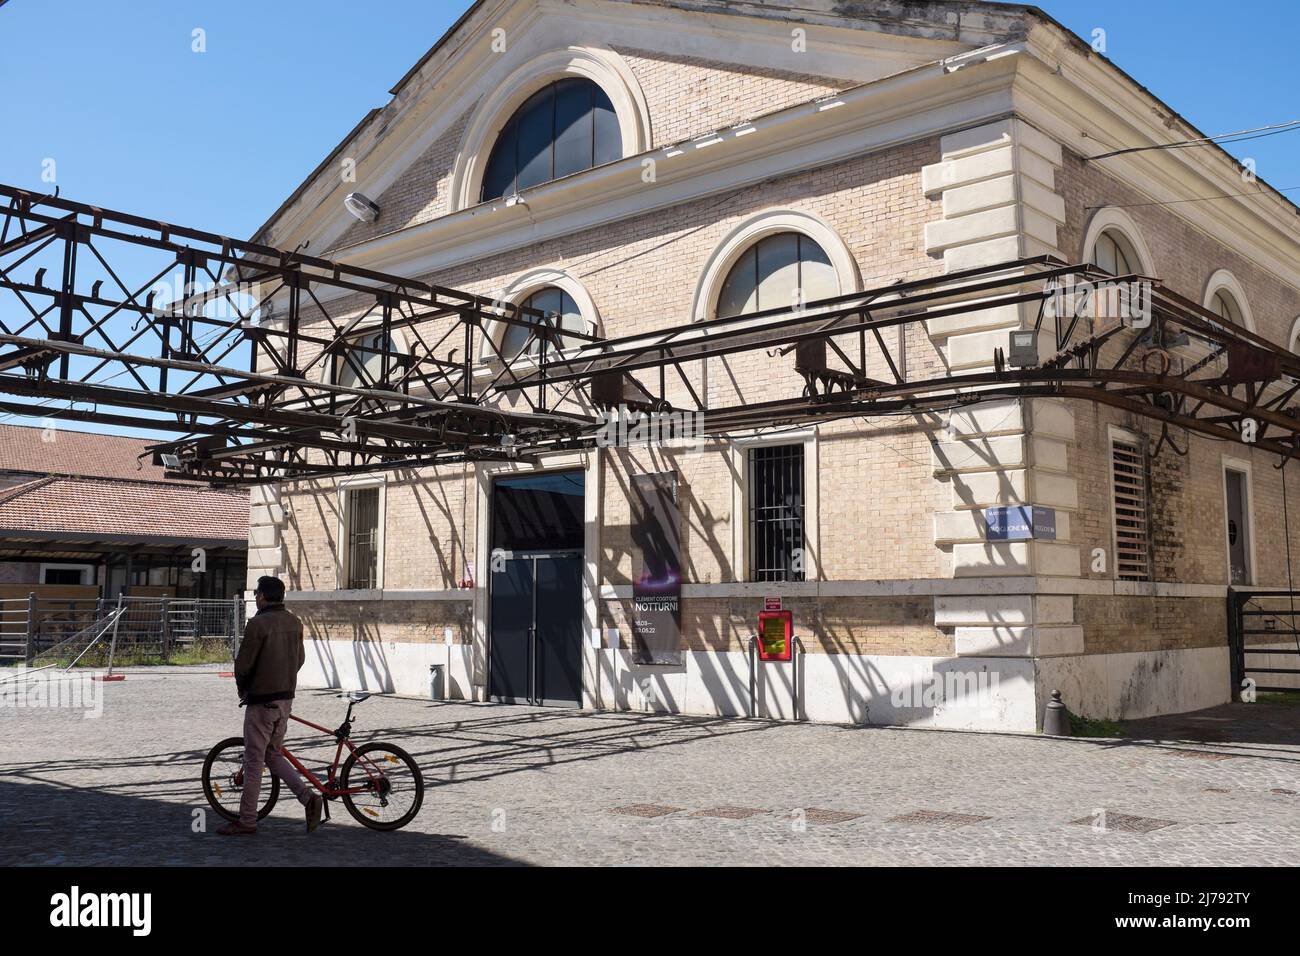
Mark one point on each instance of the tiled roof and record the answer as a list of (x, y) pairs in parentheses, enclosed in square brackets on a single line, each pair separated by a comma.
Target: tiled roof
[(60, 451), (82, 508)]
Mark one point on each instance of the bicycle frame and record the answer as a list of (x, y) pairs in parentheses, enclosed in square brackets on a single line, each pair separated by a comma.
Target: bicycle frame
[(342, 736)]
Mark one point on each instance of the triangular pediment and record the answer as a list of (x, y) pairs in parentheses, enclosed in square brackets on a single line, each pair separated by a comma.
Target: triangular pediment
[(679, 68)]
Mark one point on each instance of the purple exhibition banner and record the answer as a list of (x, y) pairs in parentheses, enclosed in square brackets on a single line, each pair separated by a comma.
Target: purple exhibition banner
[(656, 570)]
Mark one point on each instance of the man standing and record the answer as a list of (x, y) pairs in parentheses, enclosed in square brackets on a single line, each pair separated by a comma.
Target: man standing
[(266, 675)]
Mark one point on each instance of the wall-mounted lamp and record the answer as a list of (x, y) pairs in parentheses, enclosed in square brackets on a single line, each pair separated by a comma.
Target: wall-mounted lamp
[(362, 206)]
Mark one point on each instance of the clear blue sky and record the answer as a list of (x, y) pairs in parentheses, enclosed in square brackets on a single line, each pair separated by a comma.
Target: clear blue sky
[(137, 121)]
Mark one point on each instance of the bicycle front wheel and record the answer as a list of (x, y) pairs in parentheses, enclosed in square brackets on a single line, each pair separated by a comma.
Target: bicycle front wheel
[(223, 780), (390, 786)]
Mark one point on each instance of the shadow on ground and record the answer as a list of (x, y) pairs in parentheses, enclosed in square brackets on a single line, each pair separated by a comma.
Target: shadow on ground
[(1259, 727), (49, 825)]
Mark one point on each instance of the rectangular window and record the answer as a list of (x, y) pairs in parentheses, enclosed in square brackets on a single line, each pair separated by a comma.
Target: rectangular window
[(1132, 508), (66, 574), (776, 513), (362, 511), (1237, 492)]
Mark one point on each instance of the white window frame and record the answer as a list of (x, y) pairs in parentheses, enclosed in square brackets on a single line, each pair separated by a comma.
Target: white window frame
[(1128, 436), (1292, 344), (341, 562), (1225, 281), (741, 538), (532, 71), (1242, 467), (535, 280), (1118, 221), (769, 223)]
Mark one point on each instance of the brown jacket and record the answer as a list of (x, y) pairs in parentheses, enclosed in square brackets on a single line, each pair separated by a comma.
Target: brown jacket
[(269, 657)]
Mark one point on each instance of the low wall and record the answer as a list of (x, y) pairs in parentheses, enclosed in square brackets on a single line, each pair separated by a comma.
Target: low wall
[(389, 647), (392, 667), (940, 692), (1135, 684)]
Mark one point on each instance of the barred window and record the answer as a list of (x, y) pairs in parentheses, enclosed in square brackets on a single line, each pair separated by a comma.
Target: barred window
[(362, 513), (1131, 496), (776, 513)]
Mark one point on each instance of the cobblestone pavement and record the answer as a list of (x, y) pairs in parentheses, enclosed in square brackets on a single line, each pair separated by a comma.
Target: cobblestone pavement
[(517, 785)]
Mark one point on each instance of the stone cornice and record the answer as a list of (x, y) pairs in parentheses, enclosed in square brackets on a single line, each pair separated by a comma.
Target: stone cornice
[(463, 68), (1092, 107), (899, 109)]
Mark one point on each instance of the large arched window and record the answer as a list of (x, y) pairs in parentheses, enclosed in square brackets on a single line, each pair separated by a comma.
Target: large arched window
[(778, 271), (1226, 298), (362, 364), (1113, 252), (1224, 304), (561, 129), (1113, 242), (517, 339)]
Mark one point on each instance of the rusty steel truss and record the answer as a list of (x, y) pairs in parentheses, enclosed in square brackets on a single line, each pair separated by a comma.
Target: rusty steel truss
[(274, 365)]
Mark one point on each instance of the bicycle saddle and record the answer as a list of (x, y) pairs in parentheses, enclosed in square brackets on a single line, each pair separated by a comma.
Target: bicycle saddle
[(356, 696)]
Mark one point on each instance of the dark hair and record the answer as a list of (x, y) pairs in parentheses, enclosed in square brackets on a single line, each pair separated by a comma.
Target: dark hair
[(271, 588)]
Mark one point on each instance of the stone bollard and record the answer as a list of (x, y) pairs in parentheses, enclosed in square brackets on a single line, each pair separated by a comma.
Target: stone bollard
[(1056, 720)]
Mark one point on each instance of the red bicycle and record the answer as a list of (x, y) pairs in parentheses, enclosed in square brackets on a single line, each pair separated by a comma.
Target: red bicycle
[(380, 784)]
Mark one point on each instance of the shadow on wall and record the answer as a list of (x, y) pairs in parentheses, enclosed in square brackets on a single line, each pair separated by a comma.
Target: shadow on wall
[(449, 564), (370, 665), (299, 572), (954, 693), (698, 523)]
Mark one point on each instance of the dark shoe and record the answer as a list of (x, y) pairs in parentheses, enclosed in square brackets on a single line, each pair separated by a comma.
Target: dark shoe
[(236, 829), (314, 807)]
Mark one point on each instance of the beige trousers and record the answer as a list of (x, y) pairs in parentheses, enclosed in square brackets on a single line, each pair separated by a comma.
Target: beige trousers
[(264, 729)]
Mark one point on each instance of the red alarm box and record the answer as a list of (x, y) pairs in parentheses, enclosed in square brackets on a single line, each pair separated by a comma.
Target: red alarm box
[(775, 635)]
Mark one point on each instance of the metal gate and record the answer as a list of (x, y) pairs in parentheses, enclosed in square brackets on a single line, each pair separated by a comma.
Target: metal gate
[(1264, 640), (152, 630)]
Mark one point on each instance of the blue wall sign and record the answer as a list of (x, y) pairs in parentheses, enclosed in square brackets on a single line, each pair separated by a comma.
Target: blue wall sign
[(1020, 523)]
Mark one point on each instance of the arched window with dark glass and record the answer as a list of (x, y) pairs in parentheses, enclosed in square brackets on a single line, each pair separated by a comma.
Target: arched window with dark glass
[(1224, 304), (519, 338), (777, 272), (1113, 253), (561, 129), (361, 364)]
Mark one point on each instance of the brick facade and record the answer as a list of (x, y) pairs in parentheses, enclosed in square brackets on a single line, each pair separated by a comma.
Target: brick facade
[(896, 538)]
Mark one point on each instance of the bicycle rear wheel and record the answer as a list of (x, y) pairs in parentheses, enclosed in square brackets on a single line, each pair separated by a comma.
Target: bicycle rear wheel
[(223, 780), (394, 788)]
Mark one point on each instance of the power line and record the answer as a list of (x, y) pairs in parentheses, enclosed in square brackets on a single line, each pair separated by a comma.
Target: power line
[(1239, 136), (1171, 202)]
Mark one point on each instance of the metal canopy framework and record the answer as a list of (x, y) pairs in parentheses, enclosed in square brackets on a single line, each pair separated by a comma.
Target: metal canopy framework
[(273, 365)]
